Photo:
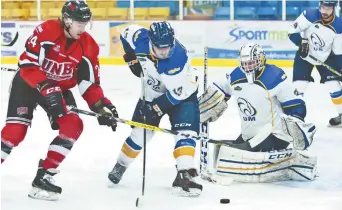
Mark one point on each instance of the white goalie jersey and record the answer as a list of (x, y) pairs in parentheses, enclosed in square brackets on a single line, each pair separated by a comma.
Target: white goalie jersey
[(173, 76), (324, 38), (264, 101)]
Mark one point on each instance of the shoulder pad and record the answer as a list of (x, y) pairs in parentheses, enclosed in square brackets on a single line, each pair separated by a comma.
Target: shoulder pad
[(175, 63), (312, 15), (237, 76), (90, 46), (337, 24), (271, 76)]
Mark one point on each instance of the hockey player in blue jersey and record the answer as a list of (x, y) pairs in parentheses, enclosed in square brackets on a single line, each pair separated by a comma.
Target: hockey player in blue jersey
[(318, 33), (170, 89), (273, 128)]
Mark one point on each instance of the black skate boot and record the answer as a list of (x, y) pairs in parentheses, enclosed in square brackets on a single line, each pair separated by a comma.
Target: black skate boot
[(43, 186), (336, 121), (115, 175), (184, 184)]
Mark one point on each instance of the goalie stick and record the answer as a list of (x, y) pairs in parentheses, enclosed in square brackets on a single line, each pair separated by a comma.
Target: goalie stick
[(204, 170)]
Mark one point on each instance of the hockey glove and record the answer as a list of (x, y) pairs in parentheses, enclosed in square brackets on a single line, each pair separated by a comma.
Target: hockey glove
[(107, 111), (149, 112), (304, 48), (53, 99), (133, 63)]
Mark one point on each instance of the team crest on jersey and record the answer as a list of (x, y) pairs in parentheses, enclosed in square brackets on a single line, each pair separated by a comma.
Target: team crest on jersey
[(154, 83), (246, 109), (317, 41), (57, 71)]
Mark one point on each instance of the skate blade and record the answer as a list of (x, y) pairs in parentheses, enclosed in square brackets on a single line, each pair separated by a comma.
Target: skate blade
[(192, 192), (40, 194), (112, 181), (112, 185)]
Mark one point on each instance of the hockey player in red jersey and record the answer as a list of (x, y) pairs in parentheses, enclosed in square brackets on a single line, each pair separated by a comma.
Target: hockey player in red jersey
[(59, 55)]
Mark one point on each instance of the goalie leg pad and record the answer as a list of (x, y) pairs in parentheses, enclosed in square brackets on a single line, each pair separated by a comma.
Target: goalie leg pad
[(304, 167), (245, 166)]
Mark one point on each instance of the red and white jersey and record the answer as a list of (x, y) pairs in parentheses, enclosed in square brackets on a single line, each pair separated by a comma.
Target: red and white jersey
[(48, 56)]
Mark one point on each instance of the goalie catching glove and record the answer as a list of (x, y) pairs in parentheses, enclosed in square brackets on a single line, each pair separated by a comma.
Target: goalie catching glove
[(302, 133), (212, 104)]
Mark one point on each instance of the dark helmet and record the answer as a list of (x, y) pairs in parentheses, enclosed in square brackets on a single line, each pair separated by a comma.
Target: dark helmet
[(76, 10), (328, 3), (161, 34)]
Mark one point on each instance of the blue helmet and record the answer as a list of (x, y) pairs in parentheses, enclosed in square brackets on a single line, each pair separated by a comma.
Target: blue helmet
[(161, 34), (328, 3)]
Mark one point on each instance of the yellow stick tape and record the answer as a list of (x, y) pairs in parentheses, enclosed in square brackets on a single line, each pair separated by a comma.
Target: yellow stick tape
[(214, 62)]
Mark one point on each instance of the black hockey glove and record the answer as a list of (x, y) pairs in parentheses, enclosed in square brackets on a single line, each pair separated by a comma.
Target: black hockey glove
[(149, 112), (133, 63), (53, 99), (107, 111), (304, 48)]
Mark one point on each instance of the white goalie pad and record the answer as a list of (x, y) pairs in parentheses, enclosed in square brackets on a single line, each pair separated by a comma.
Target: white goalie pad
[(302, 133), (245, 166), (212, 104)]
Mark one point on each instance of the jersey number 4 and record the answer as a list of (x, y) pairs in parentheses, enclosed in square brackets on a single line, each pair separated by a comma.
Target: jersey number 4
[(33, 40)]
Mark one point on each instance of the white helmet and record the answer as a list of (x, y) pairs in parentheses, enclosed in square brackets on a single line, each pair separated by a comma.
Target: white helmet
[(251, 60)]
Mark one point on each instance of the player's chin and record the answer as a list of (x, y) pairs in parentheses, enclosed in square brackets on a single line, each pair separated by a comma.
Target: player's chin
[(77, 36), (325, 16)]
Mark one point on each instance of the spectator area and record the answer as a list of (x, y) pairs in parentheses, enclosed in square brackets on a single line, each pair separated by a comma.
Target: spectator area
[(160, 9)]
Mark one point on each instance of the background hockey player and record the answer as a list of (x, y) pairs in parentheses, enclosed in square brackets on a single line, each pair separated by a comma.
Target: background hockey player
[(58, 56), (318, 33), (171, 88), (272, 118)]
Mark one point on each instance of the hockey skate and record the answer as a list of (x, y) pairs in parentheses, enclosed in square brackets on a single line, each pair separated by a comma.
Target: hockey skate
[(116, 174), (185, 185), (336, 121), (43, 186)]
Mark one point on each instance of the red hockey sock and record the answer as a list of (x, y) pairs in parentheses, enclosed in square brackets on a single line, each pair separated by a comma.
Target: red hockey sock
[(70, 129), (11, 135)]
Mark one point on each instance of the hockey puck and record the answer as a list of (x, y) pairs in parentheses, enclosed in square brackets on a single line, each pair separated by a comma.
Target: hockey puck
[(224, 200)]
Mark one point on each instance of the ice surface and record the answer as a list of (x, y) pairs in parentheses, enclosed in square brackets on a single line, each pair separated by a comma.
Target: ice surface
[(84, 172)]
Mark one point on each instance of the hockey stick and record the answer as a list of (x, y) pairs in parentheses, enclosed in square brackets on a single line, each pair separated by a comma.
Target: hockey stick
[(338, 74), (139, 199), (155, 128), (7, 69), (204, 126)]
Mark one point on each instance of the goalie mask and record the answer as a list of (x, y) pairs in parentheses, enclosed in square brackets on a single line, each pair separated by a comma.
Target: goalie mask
[(251, 60)]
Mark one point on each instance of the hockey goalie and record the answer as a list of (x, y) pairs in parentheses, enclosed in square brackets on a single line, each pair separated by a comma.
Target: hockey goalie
[(274, 134)]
